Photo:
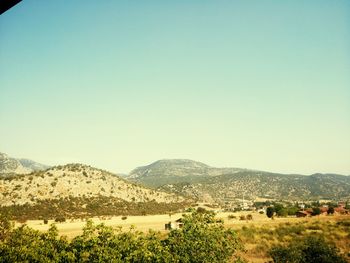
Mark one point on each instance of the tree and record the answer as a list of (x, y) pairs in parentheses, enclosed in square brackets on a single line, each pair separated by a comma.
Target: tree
[(60, 219), (293, 210), (347, 205), (278, 208), (201, 210), (282, 212), (202, 239), (25, 244), (270, 211), (330, 210), (5, 226), (316, 211)]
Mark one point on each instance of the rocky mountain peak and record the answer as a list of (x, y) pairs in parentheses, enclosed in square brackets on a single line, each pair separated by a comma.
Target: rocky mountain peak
[(18, 166)]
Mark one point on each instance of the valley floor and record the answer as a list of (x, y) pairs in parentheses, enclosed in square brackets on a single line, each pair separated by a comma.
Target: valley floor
[(157, 222), (253, 233)]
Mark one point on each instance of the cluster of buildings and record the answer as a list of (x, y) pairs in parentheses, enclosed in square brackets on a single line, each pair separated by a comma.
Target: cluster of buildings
[(324, 210)]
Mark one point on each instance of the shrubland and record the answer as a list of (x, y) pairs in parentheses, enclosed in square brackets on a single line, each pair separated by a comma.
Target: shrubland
[(86, 207), (323, 240), (201, 239)]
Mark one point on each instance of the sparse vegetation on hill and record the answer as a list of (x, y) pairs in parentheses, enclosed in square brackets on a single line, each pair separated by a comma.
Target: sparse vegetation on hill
[(75, 180), (255, 184), (86, 207), (183, 177), (170, 171)]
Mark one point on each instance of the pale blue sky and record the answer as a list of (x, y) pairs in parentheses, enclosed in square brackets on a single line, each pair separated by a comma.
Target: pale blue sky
[(119, 84)]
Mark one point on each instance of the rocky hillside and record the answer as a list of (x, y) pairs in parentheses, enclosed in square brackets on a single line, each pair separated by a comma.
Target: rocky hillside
[(211, 184), (10, 165), (175, 171), (33, 166), (74, 180), (256, 184)]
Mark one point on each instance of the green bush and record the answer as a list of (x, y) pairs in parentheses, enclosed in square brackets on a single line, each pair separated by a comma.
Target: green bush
[(316, 211), (311, 249), (60, 219), (201, 239), (5, 226), (231, 217), (330, 210), (270, 211), (242, 217)]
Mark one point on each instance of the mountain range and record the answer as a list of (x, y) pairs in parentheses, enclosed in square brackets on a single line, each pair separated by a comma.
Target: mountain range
[(200, 181), (10, 165), (179, 178)]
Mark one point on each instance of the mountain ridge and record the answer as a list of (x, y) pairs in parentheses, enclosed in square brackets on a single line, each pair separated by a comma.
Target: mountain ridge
[(220, 184), (177, 168), (10, 165), (185, 177)]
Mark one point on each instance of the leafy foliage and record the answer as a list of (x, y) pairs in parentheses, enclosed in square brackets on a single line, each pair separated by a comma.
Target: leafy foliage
[(310, 249), (202, 239), (5, 226), (259, 240), (330, 210), (316, 211), (270, 211)]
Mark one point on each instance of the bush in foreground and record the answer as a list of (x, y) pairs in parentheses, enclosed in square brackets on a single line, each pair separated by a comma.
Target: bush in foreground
[(311, 249), (202, 239)]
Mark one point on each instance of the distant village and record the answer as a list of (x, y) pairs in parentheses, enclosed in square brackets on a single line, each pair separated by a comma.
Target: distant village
[(286, 208)]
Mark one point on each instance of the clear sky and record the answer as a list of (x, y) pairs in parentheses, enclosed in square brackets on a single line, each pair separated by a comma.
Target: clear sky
[(119, 84)]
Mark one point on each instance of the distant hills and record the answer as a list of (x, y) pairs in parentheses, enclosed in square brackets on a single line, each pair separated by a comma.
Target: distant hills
[(10, 165), (169, 180), (176, 171), (200, 181)]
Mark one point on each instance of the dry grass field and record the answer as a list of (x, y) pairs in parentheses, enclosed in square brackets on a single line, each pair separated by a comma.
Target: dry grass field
[(142, 223), (72, 228), (257, 235)]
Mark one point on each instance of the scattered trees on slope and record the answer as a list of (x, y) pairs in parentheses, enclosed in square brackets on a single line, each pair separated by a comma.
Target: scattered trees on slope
[(85, 207)]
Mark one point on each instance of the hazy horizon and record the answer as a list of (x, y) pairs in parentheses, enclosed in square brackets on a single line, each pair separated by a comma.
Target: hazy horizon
[(116, 85)]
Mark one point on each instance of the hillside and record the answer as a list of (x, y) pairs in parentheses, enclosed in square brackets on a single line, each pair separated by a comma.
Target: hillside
[(33, 166), (74, 181), (175, 171), (256, 184), (9, 165), (210, 184)]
